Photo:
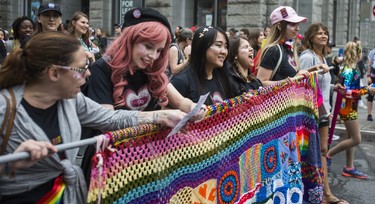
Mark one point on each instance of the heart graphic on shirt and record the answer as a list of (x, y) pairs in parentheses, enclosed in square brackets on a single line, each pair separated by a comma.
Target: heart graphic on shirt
[(216, 97), (138, 101)]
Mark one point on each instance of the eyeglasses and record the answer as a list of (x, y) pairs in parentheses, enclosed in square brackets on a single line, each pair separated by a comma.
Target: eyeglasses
[(81, 70)]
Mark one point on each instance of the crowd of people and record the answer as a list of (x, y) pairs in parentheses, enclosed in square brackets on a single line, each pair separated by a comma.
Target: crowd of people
[(62, 80)]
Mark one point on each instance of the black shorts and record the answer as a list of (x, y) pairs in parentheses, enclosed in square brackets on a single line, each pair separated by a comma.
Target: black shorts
[(323, 121), (370, 97)]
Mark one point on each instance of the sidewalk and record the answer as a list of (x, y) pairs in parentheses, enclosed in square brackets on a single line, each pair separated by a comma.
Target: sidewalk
[(350, 189), (367, 132)]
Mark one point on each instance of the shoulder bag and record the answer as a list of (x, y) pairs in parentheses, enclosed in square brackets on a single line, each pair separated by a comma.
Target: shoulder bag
[(7, 124)]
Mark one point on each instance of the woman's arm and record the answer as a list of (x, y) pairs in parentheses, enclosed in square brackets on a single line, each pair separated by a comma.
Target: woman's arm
[(102, 116), (108, 106), (184, 104), (169, 118), (37, 149), (178, 101), (264, 76), (173, 61)]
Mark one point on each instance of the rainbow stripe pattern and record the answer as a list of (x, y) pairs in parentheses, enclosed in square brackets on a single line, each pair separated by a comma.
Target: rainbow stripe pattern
[(54, 196), (257, 150)]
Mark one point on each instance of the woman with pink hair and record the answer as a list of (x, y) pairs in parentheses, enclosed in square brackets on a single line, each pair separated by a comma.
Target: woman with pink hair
[(131, 73)]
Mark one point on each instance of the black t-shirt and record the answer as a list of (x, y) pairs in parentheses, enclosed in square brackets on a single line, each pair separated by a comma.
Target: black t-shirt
[(239, 85), (287, 66), (47, 120), (137, 96), (186, 83), (215, 91)]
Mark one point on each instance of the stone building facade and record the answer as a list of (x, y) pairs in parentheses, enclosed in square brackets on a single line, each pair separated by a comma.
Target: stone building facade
[(344, 18)]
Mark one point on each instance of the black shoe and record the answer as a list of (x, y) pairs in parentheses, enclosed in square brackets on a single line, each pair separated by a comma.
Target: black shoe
[(369, 117)]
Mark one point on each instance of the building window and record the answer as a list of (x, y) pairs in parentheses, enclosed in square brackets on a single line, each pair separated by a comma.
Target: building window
[(212, 13), (34, 8)]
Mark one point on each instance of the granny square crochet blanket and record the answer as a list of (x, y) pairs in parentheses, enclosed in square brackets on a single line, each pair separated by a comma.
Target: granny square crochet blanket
[(258, 149)]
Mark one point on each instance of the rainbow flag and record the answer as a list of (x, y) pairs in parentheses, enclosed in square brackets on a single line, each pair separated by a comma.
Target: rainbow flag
[(54, 196)]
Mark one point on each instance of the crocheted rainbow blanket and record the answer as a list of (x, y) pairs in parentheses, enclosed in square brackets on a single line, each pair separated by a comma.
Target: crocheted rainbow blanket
[(259, 150)]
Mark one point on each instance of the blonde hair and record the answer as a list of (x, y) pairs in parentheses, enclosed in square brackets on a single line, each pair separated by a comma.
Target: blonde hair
[(352, 53)]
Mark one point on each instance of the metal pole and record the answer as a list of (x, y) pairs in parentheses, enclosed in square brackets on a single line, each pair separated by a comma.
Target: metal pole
[(62, 147), (216, 12), (117, 137)]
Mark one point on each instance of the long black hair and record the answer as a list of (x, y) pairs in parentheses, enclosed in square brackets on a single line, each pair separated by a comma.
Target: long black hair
[(204, 38)]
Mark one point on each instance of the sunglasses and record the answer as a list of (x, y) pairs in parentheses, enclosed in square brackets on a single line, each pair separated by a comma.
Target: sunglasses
[(81, 70)]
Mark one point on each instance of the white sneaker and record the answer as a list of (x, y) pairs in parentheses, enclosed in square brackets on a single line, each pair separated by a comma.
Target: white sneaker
[(362, 105), (335, 137)]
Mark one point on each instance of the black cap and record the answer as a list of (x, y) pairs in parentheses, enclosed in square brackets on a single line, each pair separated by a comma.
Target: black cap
[(140, 15), (116, 25), (234, 30), (49, 7), (331, 44)]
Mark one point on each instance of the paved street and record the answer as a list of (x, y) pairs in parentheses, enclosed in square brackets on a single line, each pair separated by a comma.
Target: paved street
[(353, 190)]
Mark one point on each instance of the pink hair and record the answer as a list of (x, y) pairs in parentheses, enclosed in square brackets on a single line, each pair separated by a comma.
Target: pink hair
[(120, 56)]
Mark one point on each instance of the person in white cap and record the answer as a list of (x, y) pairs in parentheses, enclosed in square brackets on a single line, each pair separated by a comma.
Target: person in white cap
[(279, 57)]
